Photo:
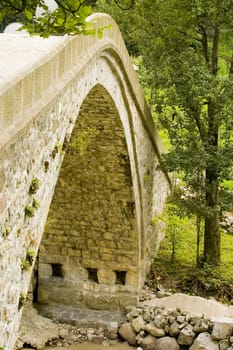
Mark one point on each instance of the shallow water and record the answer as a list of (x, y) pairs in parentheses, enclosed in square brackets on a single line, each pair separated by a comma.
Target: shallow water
[(91, 346)]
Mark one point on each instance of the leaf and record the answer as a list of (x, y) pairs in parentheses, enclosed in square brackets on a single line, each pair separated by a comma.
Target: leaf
[(28, 14)]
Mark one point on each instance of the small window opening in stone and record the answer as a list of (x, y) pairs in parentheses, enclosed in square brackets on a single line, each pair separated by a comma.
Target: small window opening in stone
[(57, 270), (28, 346), (92, 275), (120, 277)]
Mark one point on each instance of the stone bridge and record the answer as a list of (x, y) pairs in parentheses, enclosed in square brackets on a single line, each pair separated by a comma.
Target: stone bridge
[(79, 185)]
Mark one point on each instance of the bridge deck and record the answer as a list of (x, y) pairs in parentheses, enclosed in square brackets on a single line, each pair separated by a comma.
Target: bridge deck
[(18, 52)]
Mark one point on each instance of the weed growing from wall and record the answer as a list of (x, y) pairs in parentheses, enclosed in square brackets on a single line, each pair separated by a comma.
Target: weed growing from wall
[(35, 184)]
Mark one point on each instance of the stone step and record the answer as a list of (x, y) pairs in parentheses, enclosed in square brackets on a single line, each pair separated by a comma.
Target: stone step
[(80, 317)]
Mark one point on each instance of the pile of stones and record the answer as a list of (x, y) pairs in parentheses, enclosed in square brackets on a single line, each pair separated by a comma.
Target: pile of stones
[(226, 222), (154, 328)]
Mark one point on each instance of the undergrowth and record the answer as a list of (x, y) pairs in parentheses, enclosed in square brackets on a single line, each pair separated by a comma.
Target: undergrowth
[(183, 275)]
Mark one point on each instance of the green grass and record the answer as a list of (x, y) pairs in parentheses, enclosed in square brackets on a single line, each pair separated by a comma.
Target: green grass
[(228, 184), (182, 275), (165, 139)]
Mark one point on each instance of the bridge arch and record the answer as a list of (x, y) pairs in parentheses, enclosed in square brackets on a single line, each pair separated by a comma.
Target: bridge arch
[(43, 97), (92, 236)]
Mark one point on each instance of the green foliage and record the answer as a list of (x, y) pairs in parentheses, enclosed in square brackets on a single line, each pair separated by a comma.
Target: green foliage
[(29, 211), (30, 255), (58, 148), (80, 143), (181, 275), (186, 50), (25, 265), (35, 184), (124, 18), (176, 225), (69, 17), (22, 300), (27, 261)]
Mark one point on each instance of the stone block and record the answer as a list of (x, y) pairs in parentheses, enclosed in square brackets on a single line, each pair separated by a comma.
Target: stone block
[(204, 341), (106, 276), (222, 328), (131, 279), (45, 270)]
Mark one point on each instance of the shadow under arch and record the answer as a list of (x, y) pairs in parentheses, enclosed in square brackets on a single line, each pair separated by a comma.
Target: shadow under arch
[(89, 253)]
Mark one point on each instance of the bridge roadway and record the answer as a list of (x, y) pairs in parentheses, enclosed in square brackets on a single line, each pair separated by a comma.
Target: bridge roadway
[(17, 54)]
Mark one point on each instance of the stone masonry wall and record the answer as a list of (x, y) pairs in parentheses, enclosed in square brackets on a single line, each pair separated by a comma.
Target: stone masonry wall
[(91, 233)]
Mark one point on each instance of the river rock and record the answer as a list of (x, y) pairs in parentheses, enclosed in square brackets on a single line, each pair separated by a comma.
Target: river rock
[(148, 314), (112, 330), (132, 312), (127, 333), (160, 321), (222, 328), (156, 332), (148, 343), (166, 343), (224, 344), (204, 342), (186, 336), (201, 326), (181, 319), (174, 330), (138, 324), (95, 338)]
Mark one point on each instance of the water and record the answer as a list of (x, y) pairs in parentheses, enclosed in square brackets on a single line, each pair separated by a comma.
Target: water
[(91, 346)]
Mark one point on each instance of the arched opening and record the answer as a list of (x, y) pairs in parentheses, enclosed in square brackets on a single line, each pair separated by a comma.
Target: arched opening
[(89, 251)]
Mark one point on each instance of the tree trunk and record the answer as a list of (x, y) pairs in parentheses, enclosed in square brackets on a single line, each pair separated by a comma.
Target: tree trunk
[(212, 245)]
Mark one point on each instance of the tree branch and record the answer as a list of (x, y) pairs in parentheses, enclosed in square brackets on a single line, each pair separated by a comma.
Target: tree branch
[(10, 4), (204, 42), (200, 125), (214, 56), (117, 2)]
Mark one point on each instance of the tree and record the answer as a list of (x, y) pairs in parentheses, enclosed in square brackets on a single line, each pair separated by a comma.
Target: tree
[(187, 48), (47, 17), (67, 16)]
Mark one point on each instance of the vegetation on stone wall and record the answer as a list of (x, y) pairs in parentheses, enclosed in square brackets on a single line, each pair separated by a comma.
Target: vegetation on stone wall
[(34, 186)]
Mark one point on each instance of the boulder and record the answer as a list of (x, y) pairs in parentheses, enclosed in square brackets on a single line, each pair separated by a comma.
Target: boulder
[(160, 321), (204, 342), (166, 343), (156, 332), (138, 324), (186, 335), (222, 328), (224, 344), (127, 333), (201, 326), (174, 330), (148, 343)]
